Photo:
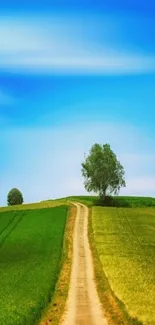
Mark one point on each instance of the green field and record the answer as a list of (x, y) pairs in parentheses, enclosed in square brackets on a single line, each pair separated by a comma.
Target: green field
[(125, 243), (30, 258)]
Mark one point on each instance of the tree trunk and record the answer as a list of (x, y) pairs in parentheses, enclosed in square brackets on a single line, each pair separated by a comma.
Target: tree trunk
[(102, 196)]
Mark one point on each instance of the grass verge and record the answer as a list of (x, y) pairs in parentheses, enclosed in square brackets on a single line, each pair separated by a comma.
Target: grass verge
[(56, 307), (114, 309)]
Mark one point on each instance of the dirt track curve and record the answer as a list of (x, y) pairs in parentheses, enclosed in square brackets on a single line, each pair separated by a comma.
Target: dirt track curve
[(83, 305)]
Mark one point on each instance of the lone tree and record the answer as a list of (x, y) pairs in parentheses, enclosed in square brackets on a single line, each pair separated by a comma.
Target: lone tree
[(102, 171), (14, 197)]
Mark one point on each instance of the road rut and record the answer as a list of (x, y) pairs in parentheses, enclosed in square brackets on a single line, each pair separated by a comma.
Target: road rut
[(83, 306)]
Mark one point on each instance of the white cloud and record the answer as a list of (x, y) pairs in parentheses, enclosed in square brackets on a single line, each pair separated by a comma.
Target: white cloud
[(102, 64), (65, 45), (47, 162)]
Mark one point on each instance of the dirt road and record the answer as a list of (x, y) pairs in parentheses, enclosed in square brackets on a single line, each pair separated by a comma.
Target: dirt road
[(83, 306)]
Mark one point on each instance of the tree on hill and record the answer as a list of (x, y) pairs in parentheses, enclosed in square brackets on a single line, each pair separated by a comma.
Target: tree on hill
[(14, 197), (102, 172)]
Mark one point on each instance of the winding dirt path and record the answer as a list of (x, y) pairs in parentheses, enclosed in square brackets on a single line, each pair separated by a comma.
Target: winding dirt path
[(83, 306)]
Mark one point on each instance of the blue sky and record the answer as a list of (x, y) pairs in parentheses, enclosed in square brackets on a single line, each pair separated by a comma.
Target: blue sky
[(72, 75)]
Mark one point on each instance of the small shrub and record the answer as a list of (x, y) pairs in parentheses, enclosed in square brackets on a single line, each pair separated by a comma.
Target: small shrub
[(14, 197)]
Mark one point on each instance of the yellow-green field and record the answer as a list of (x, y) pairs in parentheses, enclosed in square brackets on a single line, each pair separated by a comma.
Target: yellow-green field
[(38, 205), (125, 243)]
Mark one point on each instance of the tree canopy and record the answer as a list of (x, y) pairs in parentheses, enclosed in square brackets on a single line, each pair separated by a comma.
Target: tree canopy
[(14, 197), (102, 172)]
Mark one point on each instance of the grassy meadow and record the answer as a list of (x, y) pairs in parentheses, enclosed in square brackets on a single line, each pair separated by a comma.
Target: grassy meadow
[(31, 244), (122, 238), (125, 244)]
